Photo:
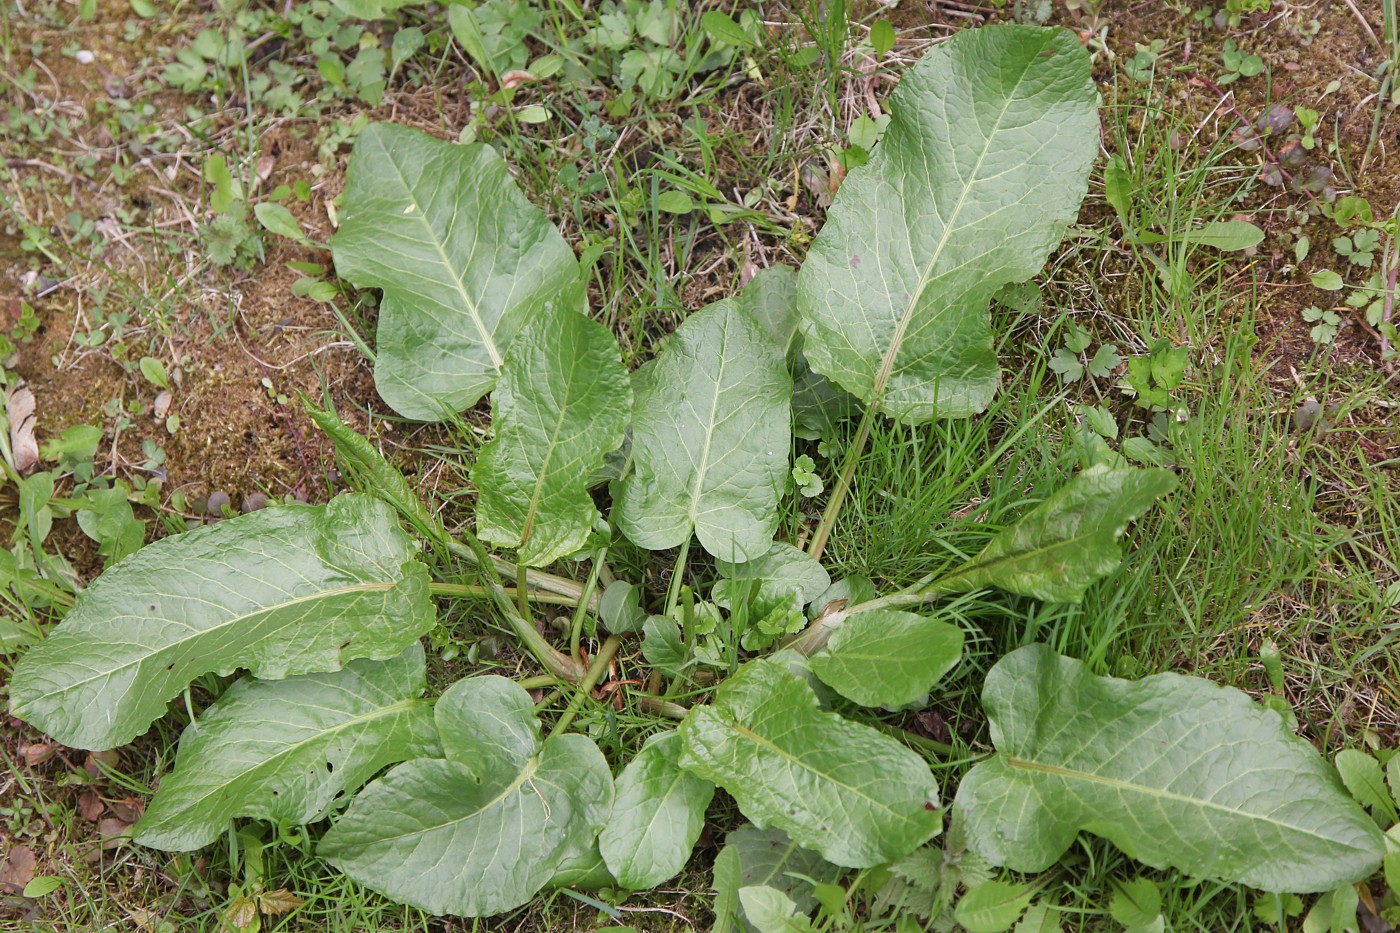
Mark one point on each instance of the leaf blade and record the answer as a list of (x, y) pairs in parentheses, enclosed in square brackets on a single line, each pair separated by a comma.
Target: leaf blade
[(1055, 551), (562, 404), (261, 750), (710, 439), (888, 658), (475, 838), (658, 814), (857, 797), (212, 601), (455, 293), (893, 293), (1156, 756)]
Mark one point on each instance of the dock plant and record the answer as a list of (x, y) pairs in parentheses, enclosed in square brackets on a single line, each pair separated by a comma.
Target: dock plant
[(468, 802)]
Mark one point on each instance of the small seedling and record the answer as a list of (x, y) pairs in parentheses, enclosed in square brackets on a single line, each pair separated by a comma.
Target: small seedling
[(1143, 64), (1359, 248), (1154, 377), (1237, 64), (1325, 323)]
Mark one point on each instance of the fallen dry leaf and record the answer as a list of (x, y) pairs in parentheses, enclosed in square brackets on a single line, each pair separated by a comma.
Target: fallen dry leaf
[(240, 914), (17, 870), (113, 832), (38, 753), (130, 809), (278, 902), (95, 760), (19, 409), (90, 806)]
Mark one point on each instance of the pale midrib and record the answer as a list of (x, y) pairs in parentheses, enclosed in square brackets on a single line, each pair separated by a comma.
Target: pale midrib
[(231, 620), (290, 750), (526, 773), (529, 526), (882, 376), (656, 814), (782, 753), (979, 566), (1090, 778), (487, 340), (703, 467)]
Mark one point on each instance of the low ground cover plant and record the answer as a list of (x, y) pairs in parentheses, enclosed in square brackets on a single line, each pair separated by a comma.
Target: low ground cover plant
[(773, 671)]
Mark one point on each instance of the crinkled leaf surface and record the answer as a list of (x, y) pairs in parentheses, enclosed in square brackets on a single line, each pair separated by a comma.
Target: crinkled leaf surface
[(463, 259), (772, 589), (783, 571), (562, 404), (888, 658), (839, 788), (1175, 771), (658, 815), (281, 591), (710, 439), (769, 857), (1068, 541), (484, 829), (283, 750), (984, 162)]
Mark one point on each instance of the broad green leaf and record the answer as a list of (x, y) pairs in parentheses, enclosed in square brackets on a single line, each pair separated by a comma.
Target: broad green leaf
[(1135, 903), (726, 887), (463, 259), (1067, 542), (280, 591), (284, 750), (620, 609), (856, 796), (783, 571), (817, 405), (1228, 235), (771, 298), (1363, 779), (658, 815), (481, 831), (984, 163), (42, 886), (277, 219), (1175, 771), (662, 645), (888, 658), (562, 404), (585, 870), (773, 589), (769, 857), (993, 906), (771, 911), (721, 27), (1039, 918), (1334, 912), (710, 439)]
